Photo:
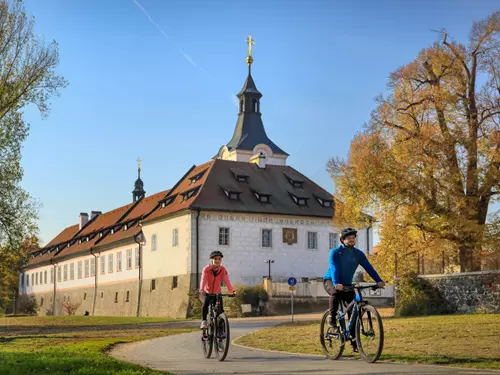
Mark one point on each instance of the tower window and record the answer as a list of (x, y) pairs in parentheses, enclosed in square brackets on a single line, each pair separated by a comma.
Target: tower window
[(254, 102), (241, 106)]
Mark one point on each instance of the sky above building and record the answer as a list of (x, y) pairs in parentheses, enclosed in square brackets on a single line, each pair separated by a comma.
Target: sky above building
[(157, 79)]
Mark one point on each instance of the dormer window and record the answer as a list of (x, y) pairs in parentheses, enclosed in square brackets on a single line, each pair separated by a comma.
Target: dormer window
[(112, 231), (189, 194), (239, 175), (232, 194), (125, 227), (299, 201), (86, 239), (167, 201), (100, 234), (262, 197), (327, 203), (296, 182), (196, 177)]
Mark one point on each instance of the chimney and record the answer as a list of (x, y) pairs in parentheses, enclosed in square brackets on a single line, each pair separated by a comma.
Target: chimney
[(260, 160), (94, 214), (84, 219)]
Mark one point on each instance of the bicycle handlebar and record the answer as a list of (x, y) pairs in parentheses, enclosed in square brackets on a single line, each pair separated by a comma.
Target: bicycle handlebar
[(350, 288), (221, 295)]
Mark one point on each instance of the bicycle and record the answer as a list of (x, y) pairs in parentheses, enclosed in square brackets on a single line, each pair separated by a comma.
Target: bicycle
[(217, 334), (367, 320)]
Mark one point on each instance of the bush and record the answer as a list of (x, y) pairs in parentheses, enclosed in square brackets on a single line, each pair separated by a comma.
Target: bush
[(232, 306), (27, 305), (70, 308), (416, 297), (246, 295)]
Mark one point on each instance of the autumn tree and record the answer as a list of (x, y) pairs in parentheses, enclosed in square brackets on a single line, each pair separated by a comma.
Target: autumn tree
[(27, 77), (427, 163)]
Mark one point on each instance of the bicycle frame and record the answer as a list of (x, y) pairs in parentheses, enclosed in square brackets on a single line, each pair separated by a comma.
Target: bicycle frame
[(354, 307)]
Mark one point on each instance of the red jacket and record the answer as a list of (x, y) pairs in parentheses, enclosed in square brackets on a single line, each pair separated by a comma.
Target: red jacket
[(211, 282)]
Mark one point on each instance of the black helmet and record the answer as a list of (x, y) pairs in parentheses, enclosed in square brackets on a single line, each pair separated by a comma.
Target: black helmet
[(347, 232), (216, 253)]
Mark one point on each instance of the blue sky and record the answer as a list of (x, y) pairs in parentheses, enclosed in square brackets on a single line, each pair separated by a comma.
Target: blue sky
[(166, 95)]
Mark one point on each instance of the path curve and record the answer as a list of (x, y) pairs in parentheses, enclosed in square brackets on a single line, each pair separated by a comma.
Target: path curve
[(182, 355)]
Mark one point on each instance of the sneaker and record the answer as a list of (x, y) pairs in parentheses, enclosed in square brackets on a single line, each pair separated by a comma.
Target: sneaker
[(354, 346), (330, 321), (204, 325)]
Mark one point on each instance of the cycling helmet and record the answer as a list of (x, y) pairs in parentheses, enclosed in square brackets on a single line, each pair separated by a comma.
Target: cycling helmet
[(347, 232), (216, 253)]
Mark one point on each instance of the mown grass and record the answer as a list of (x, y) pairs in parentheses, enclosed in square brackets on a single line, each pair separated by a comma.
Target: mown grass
[(77, 320), (77, 351), (459, 340)]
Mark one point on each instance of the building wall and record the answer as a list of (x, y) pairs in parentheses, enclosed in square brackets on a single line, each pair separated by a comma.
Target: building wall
[(245, 257), (167, 259)]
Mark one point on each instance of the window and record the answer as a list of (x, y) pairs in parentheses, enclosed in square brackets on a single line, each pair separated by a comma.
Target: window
[(264, 198), (232, 195), (119, 261), (32, 279), (45, 277), (87, 267), (92, 267), (84, 296), (239, 174), (80, 269), (175, 282), (175, 237), (224, 236), (36, 278), (334, 240), (312, 240), (102, 295), (327, 203), (103, 264), (128, 295), (299, 201), (129, 259), (153, 242), (137, 257), (110, 263), (59, 274), (196, 177), (296, 182), (116, 297), (267, 238), (41, 302), (153, 284), (52, 275), (27, 280), (72, 271)]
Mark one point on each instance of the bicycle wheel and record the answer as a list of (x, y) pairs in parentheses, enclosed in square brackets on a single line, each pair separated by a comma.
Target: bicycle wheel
[(332, 339), (369, 333), (222, 338), (207, 340)]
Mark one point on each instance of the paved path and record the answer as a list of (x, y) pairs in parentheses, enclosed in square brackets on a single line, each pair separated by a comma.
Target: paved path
[(182, 355)]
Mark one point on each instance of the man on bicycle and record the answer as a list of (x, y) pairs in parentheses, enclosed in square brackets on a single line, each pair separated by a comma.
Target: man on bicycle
[(343, 262)]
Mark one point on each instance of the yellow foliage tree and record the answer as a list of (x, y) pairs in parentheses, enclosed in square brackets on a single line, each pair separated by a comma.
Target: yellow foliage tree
[(427, 164)]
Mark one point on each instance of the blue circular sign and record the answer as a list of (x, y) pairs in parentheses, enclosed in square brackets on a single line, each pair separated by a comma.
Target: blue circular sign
[(292, 281)]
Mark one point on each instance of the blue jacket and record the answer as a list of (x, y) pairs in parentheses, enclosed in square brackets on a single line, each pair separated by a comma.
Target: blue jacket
[(343, 265)]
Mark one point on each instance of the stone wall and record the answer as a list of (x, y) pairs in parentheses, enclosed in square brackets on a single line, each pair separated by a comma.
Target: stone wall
[(469, 292)]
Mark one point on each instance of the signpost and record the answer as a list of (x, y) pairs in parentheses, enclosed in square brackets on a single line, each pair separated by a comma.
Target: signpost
[(292, 281)]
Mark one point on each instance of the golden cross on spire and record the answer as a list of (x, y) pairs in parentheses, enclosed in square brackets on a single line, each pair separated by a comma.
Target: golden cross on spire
[(250, 43), (139, 164)]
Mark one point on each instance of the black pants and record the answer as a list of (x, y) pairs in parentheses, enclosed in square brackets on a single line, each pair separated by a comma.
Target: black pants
[(206, 304), (335, 297)]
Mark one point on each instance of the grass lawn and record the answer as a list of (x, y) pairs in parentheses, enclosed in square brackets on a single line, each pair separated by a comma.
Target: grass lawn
[(459, 340), (78, 350)]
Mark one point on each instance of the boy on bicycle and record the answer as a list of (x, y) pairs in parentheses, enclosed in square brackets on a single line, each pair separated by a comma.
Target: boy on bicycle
[(211, 279), (343, 262)]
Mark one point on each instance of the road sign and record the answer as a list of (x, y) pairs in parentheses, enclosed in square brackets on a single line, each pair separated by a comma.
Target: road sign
[(292, 288), (292, 281)]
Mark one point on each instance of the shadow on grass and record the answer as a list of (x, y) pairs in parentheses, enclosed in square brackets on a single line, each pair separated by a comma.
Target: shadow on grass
[(61, 362)]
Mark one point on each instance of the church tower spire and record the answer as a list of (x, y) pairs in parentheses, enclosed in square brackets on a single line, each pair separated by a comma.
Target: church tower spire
[(138, 193), (249, 137)]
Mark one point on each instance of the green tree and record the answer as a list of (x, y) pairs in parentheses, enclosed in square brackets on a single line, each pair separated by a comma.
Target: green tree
[(427, 164), (27, 77)]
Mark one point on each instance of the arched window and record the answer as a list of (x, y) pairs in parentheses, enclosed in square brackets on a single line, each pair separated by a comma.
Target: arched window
[(241, 105), (254, 102)]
